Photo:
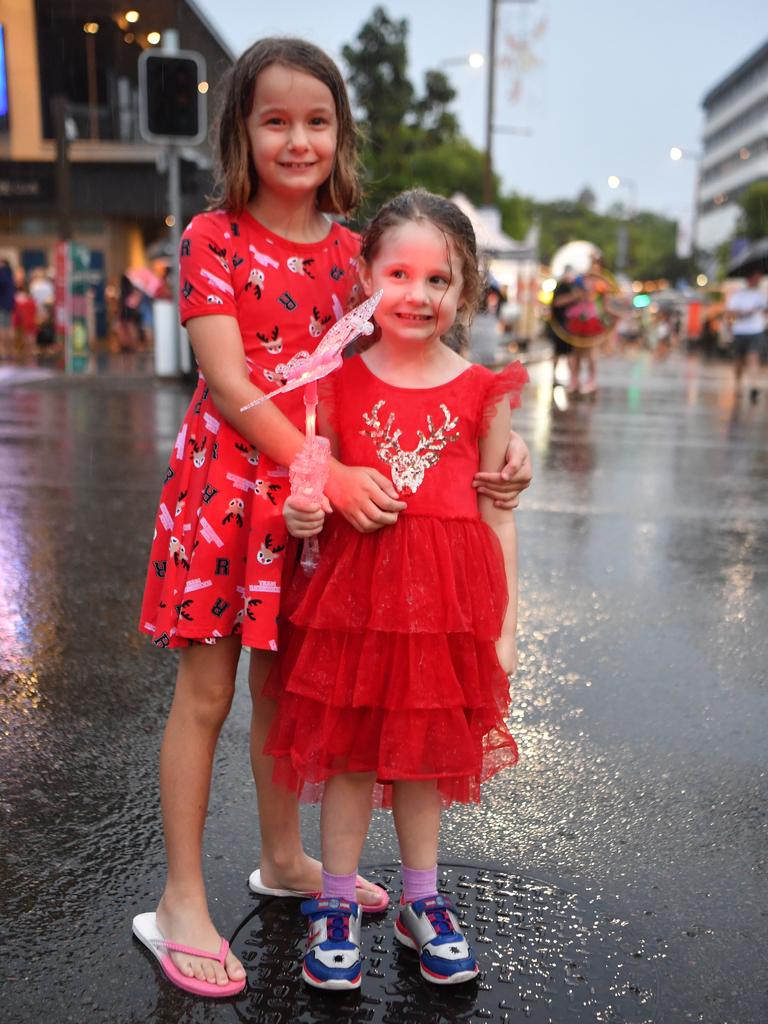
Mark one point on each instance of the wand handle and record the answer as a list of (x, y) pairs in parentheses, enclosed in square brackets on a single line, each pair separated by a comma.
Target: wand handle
[(308, 474), (310, 555)]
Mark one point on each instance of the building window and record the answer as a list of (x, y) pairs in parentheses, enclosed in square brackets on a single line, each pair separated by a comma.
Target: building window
[(88, 61)]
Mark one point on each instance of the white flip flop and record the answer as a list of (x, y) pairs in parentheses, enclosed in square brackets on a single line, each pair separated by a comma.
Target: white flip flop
[(256, 885)]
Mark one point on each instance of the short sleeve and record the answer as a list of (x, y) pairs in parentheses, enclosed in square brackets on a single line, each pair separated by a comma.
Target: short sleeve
[(205, 268), (508, 383)]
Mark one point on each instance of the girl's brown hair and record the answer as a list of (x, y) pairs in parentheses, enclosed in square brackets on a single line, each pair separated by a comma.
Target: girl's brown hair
[(419, 205), (235, 175)]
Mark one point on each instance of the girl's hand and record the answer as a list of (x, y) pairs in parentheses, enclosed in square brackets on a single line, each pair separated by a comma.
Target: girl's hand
[(506, 652), (365, 497), (505, 487), (304, 518)]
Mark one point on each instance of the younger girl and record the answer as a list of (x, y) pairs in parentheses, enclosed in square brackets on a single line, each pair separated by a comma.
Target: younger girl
[(262, 276), (395, 655)]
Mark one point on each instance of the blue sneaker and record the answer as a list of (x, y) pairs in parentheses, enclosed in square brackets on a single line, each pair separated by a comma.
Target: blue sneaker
[(332, 960), (431, 927)]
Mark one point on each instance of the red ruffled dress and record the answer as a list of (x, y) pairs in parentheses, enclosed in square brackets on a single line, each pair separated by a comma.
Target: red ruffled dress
[(388, 660), (220, 539)]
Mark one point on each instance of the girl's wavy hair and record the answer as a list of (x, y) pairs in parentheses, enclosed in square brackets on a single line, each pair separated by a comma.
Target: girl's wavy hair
[(419, 205), (236, 180)]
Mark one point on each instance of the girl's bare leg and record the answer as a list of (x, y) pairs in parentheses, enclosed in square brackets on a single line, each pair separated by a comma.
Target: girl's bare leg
[(416, 810), (574, 365), (284, 864), (344, 820), (205, 685)]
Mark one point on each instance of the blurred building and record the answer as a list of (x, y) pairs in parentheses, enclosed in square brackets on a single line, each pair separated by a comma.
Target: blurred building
[(735, 147), (86, 52)]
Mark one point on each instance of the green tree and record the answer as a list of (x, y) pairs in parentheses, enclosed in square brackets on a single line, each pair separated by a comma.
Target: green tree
[(409, 139), (753, 222), (377, 73), (517, 214), (449, 167), (651, 238), (431, 112)]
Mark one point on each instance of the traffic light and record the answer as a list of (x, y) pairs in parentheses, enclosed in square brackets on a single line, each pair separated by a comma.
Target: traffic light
[(171, 106)]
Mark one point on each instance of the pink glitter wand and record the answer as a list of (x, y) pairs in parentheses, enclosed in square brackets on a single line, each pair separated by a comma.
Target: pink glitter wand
[(309, 470)]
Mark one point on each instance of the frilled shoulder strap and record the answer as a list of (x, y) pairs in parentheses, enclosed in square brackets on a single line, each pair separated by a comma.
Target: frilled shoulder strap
[(507, 383)]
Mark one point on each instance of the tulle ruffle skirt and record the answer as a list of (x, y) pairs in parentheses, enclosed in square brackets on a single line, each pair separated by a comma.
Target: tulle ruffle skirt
[(388, 661)]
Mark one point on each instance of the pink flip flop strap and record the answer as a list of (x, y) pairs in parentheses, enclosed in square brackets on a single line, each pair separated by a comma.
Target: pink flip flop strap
[(176, 947)]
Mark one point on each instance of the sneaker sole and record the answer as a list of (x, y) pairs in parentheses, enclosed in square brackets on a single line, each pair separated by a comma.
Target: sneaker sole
[(433, 979), (452, 979), (338, 985)]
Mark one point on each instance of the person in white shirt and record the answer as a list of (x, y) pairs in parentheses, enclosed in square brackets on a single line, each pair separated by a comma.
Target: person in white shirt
[(746, 309)]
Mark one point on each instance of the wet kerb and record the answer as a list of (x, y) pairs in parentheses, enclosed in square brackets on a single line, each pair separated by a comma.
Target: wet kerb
[(545, 955)]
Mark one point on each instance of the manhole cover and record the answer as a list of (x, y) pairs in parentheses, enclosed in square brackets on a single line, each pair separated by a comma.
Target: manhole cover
[(545, 954)]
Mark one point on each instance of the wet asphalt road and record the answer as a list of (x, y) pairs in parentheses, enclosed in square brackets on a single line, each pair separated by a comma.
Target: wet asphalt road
[(641, 706)]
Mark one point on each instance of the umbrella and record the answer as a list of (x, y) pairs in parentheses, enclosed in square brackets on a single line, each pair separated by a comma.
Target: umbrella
[(146, 281), (752, 258)]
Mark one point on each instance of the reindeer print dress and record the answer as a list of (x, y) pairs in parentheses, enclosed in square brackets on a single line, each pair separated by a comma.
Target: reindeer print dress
[(388, 660), (219, 544)]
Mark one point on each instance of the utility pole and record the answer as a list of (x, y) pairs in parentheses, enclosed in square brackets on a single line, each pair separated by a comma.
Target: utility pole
[(489, 107), (491, 100)]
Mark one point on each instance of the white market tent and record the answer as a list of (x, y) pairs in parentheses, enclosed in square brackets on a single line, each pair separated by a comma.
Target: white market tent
[(515, 265)]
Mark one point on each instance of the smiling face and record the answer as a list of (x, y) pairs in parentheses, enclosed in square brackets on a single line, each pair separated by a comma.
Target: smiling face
[(419, 272), (292, 132)]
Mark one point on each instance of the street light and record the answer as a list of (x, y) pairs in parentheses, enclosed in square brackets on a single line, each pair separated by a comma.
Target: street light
[(622, 247), (474, 60), (677, 153)]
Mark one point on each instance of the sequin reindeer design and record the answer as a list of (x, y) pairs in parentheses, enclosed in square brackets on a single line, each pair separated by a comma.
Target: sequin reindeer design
[(308, 472), (409, 465)]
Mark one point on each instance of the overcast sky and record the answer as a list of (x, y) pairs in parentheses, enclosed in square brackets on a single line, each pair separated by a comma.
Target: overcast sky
[(604, 87)]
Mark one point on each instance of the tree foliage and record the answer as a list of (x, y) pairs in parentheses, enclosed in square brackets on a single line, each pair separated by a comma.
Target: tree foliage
[(753, 222), (651, 237), (409, 139)]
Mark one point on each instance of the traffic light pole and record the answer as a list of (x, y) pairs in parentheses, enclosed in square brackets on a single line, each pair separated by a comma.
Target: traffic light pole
[(172, 114), (174, 208), (171, 47)]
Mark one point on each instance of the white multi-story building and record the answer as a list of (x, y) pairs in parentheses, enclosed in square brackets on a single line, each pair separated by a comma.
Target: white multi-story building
[(735, 147)]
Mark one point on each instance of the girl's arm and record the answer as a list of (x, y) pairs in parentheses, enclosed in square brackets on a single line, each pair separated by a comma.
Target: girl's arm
[(502, 521), (504, 487), (363, 495)]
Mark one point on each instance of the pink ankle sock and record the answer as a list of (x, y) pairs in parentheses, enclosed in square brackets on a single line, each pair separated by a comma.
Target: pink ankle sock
[(340, 886), (418, 885)]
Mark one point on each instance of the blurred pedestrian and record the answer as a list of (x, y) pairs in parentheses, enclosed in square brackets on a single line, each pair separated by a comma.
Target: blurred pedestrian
[(588, 320), (42, 291), (7, 301), (565, 295), (746, 310), (375, 666), (263, 275), (129, 316), (24, 318)]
